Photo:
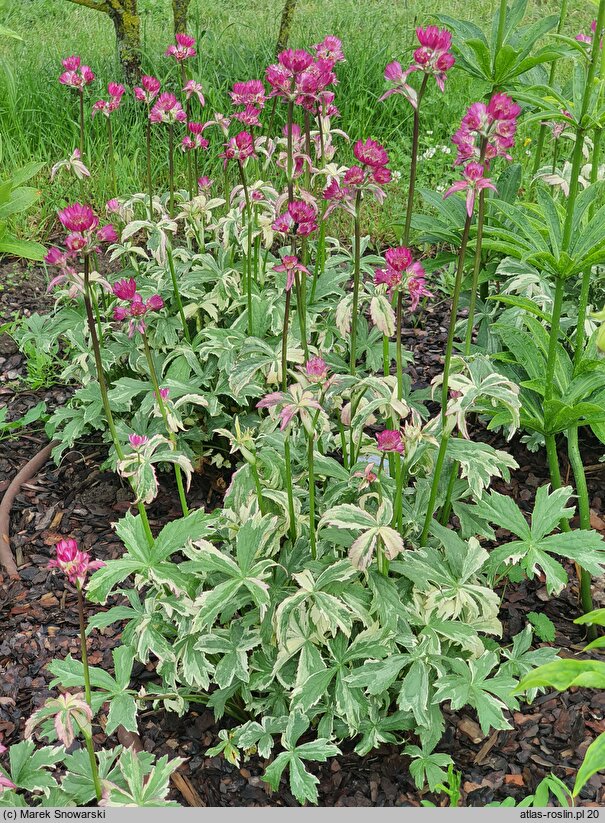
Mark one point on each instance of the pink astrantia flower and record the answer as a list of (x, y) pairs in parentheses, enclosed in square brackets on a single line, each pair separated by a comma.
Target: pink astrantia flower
[(72, 164), (300, 219), (137, 440), (164, 393), (204, 183), (191, 89), (390, 441), (112, 206), (148, 90), (107, 234), (403, 273), (249, 93), (473, 182), (295, 402), (78, 218), (75, 564), (434, 56), (137, 307), (249, 116), (494, 124), (367, 476), (125, 289), (370, 153), (5, 783), (76, 75), (316, 370), (398, 78), (290, 266), (184, 48), (329, 49), (167, 109), (239, 148)]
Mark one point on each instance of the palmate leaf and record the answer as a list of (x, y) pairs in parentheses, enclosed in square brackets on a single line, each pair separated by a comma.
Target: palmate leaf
[(375, 531), (534, 548), (29, 766), (145, 785), (470, 684), (427, 767), (303, 785)]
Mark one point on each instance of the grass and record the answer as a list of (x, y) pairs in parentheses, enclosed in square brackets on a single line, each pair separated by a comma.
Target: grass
[(38, 117)]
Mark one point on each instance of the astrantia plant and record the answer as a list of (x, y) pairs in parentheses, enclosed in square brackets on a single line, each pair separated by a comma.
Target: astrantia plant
[(331, 600)]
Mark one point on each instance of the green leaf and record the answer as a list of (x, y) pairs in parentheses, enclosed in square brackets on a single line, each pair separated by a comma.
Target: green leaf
[(563, 674), (543, 625), (122, 712), (594, 761)]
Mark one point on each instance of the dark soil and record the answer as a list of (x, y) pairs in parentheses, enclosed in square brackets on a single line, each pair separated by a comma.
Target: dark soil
[(38, 619)]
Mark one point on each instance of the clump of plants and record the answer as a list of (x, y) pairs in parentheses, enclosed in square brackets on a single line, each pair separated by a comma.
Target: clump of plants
[(347, 589)]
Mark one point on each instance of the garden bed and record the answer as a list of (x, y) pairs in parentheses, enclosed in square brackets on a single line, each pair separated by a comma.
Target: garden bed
[(38, 618)]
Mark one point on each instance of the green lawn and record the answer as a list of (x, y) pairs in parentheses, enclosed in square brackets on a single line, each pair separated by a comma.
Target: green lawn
[(237, 40)]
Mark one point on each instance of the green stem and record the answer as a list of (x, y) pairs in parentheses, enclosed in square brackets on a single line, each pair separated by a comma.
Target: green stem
[(162, 406), (175, 288), (259, 488), (575, 459), (81, 95), (310, 454), (551, 80), (87, 693), (414, 163), (501, 28), (103, 387), (477, 263), (398, 349), (149, 180), (445, 385), (356, 278), (112, 159), (287, 454), (247, 262), (171, 168), (302, 323)]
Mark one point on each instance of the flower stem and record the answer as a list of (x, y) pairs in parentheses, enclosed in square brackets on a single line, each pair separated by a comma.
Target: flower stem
[(551, 80), (81, 95), (356, 278), (445, 385), (310, 454), (87, 693), (171, 435), (287, 454), (103, 387), (149, 180), (477, 263), (302, 321), (248, 259), (259, 488), (112, 159), (398, 349), (171, 168), (414, 163), (177, 296), (575, 459)]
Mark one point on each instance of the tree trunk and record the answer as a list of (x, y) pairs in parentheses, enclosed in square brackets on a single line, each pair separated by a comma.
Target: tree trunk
[(285, 25), (127, 23), (180, 9)]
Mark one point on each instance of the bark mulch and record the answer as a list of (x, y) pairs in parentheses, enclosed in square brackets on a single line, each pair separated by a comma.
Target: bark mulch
[(38, 619)]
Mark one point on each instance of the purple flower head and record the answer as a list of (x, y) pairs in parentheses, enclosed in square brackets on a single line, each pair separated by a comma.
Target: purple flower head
[(148, 90), (75, 564), (290, 266), (125, 289), (300, 218), (370, 153), (473, 182), (238, 148), (167, 109), (79, 218), (76, 75), (137, 440), (329, 49), (184, 48), (390, 441), (204, 183), (192, 88), (249, 93), (316, 370), (107, 234)]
